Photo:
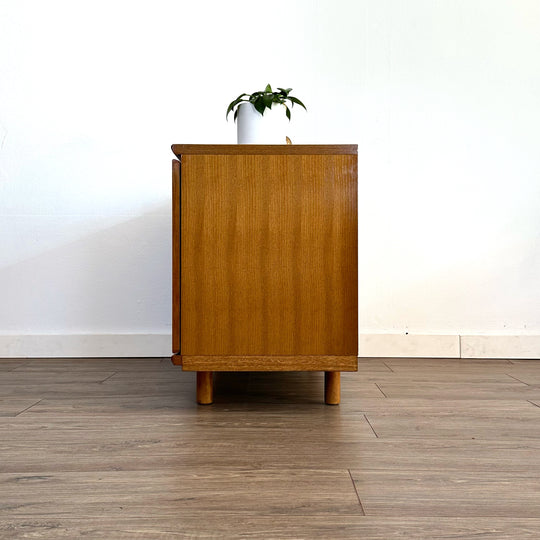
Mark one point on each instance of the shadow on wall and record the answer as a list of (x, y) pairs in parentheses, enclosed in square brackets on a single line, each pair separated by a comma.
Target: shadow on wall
[(114, 280)]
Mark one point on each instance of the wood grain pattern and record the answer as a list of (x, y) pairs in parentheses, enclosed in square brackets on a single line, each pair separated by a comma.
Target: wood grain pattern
[(264, 149), (480, 424), (269, 255), (189, 524), (461, 390), (460, 493), (176, 256), (11, 364), (166, 493), (269, 363)]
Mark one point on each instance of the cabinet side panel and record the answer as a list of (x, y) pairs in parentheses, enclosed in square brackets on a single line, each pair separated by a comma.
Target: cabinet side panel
[(269, 255), (176, 256)]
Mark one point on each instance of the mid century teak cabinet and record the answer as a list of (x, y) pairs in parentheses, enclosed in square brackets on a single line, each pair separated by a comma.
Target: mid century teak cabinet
[(265, 260)]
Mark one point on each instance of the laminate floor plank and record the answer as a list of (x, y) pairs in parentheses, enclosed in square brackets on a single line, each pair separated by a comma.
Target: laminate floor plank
[(170, 492), (429, 406), (518, 425), (487, 370), (18, 379), (435, 376), (67, 390), (161, 375), (286, 393), (85, 429), (147, 451), (442, 364), (459, 390), (448, 493), (258, 526), (183, 404), (118, 405)]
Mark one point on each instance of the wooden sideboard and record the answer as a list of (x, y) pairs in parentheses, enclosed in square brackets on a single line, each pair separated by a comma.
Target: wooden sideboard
[(265, 260)]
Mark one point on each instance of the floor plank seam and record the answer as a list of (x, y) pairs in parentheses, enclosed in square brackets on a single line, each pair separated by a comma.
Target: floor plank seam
[(107, 378), (371, 426), (17, 367), (381, 390), (27, 408), (356, 491), (385, 364), (515, 378)]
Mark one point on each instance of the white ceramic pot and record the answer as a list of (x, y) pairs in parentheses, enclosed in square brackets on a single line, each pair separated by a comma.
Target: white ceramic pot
[(254, 128)]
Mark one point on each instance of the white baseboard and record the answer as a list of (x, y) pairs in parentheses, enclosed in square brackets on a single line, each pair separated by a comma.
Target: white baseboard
[(525, 346), (449, 346), (370, 346), (85, 345), (408, 346)]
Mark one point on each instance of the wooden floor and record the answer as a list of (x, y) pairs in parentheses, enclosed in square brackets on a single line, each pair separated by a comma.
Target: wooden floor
[(418, 449)]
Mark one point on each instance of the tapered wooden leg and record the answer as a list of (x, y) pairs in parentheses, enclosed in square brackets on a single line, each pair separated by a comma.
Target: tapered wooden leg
[(205, 387), (332, 387)]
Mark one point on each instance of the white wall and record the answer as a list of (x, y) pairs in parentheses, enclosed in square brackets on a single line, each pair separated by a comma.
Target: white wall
[(441, 96)]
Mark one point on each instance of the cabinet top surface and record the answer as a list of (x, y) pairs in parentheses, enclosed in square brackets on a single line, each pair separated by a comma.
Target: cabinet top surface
[(264, 149)]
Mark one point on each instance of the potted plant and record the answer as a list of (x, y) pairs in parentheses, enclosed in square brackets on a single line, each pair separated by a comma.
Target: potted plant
[(249, 110)]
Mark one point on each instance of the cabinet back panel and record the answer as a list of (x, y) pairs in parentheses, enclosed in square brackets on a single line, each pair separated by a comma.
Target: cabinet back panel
[(269, 255)]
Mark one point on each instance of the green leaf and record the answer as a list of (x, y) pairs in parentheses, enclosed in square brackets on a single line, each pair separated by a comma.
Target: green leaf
[(297, 101), (268, 88), (288, 112), (259, 105), (268, 99), (234, 103)]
